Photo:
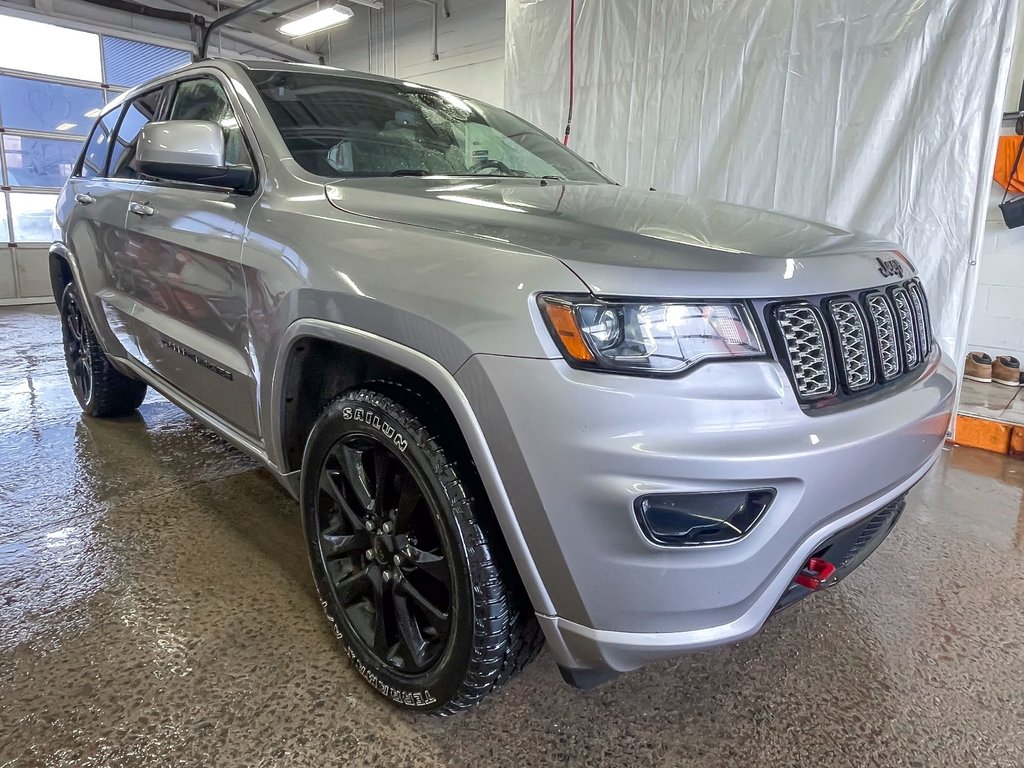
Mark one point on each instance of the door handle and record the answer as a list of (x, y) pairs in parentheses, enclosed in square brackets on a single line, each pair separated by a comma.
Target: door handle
[(141, 209), (84, 199)]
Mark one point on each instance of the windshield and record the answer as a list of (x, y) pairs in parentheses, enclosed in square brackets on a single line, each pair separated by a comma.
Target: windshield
[(346, 127)]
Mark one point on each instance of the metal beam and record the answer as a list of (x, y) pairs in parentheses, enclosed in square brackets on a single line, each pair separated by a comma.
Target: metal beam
[(129, 6), (290, 54)]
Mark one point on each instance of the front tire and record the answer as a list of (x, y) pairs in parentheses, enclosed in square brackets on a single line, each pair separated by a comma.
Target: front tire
[(406, 563), (100, 389)]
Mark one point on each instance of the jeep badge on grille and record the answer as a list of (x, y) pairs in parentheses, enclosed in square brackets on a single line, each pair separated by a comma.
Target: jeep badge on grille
[(889, 267)]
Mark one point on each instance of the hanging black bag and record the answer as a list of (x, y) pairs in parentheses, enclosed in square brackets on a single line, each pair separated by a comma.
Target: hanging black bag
[(1013, 211)]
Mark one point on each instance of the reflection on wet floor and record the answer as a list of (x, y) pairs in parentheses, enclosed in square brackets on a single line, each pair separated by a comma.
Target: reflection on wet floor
[(156, 609)]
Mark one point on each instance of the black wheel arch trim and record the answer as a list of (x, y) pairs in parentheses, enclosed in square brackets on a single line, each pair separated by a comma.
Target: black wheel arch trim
[(443, 380)]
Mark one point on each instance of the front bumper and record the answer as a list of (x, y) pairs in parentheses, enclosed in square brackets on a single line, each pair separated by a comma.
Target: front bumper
[(575, 449)]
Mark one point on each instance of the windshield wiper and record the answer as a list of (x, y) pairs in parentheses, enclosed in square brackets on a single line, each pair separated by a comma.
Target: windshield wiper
[(410, 172), (516, 174)]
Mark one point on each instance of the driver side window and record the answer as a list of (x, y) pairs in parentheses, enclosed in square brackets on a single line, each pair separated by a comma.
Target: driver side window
[(205, 99), (140, 111)]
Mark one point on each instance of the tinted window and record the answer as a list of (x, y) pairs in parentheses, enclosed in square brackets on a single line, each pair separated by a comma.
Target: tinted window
[(205, 99), (343, 126), (94, 161), (141, 110), (35, 162), (37, 106)]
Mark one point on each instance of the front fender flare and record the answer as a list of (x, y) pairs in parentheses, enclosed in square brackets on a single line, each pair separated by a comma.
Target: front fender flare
[(444, 382)]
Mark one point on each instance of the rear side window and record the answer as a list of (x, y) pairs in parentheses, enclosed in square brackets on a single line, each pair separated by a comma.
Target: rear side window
[(205, 99), (141, 110), (94, 160)]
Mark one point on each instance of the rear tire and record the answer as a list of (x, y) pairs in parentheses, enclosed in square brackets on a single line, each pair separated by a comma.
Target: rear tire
[(406, 563), (100, 389)]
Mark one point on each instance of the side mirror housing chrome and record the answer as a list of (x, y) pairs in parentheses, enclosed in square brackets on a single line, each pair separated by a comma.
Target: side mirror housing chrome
[(191, 151)]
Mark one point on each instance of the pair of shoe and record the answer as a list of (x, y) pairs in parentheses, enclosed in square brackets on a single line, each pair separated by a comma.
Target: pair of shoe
[(1003, 370)]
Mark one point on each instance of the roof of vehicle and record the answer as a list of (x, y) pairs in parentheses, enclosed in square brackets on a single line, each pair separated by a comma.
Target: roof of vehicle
[(261, 65), (289, 66)]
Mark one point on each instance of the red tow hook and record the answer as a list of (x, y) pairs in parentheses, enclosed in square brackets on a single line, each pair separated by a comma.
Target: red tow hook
[(815, 573)]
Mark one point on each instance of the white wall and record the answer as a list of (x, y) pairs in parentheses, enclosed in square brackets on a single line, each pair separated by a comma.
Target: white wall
[(471, 45), (997, 325)]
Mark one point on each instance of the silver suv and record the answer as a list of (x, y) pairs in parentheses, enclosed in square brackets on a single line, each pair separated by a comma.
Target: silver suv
[(515, 400)]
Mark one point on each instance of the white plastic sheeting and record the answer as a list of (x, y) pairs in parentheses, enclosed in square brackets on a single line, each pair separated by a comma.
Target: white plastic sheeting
[(874, 115)]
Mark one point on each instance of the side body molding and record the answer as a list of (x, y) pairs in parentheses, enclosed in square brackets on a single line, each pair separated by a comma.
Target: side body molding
[(449, 389)]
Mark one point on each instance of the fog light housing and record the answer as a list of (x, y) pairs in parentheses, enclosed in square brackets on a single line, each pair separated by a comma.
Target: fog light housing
[(701, 519)]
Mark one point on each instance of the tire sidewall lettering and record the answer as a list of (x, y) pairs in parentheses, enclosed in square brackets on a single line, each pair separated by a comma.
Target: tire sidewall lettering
[(373, 420), (409, 698)]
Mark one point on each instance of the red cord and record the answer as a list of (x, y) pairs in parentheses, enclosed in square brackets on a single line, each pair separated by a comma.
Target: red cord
[(572, 66)]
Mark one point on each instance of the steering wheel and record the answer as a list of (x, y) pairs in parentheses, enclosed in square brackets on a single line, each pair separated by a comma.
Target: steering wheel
[(492, 164)]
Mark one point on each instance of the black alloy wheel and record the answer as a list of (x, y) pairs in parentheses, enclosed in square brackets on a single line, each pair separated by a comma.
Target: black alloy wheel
[(387, 560), (100, 389), (75, 329), (410, 567)]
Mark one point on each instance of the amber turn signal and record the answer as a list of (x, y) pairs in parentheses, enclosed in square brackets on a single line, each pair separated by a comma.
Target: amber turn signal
[(563, 322)]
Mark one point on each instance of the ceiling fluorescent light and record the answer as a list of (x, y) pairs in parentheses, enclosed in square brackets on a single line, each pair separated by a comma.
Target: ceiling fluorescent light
[(317, 21)]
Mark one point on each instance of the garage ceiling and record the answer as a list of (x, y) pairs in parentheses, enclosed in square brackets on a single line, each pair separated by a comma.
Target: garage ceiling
[(252, 34), (258, 28)]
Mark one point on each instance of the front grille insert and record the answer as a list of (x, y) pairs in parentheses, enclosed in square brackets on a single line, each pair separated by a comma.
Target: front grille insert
[(806, 349), (907, 326), (854, 352), (885, 335), (924, 331), (841, 346)]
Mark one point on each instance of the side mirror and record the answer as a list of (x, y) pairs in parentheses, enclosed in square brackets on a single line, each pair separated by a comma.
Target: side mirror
[(190, 151)]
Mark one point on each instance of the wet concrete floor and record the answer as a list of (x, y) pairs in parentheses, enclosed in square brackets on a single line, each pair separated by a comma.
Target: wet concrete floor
[(156, 610)]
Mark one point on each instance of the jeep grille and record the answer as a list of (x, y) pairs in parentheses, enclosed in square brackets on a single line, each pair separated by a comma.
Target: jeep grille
[(806, 349), (835, 345)]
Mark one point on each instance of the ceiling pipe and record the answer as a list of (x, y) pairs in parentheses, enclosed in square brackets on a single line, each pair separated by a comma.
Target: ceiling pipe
[(195, 22), (227, 18), (437, 8), (244, 36), (139, 9)]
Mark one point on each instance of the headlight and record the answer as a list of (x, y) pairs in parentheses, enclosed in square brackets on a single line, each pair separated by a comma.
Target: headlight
[(648, 337)]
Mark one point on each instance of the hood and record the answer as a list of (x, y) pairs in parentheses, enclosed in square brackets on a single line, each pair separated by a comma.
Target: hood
[(624, 242)]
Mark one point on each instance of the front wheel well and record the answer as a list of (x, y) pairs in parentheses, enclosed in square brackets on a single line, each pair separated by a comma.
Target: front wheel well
[(317, 371), (60, 275)]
